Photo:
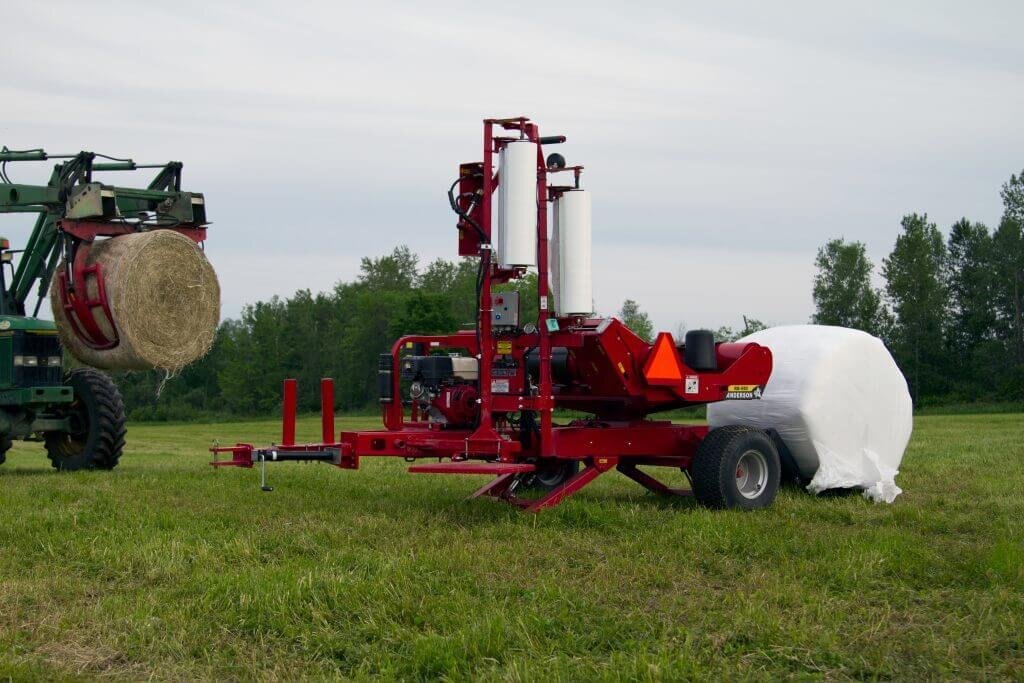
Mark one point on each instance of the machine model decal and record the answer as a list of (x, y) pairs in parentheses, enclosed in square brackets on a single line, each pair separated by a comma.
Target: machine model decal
[(744, 392)]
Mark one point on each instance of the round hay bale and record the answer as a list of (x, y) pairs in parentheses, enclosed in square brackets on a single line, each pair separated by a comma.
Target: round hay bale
[(164, 298)]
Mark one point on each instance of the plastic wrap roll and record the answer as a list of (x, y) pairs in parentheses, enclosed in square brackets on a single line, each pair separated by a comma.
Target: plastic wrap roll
[(575, 289), (838, 401), (517, 204), (553, 261)]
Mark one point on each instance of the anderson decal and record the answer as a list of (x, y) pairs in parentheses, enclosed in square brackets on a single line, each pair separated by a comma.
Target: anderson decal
[(743, 392)]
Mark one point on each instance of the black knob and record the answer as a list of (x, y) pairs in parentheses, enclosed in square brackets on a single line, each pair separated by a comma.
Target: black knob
[(556, 160)]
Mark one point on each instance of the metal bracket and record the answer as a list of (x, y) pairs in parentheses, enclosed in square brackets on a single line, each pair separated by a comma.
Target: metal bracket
[(79, 307), (263, 473)]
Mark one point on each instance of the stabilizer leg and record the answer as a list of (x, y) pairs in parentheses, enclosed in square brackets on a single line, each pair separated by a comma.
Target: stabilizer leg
[(496, 488), (649, 482)]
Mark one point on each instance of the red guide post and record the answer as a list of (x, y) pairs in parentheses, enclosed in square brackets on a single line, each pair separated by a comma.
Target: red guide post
[(327, 410), (288, 425)]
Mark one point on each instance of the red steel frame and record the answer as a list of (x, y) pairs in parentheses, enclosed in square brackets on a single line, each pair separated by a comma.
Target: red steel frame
[(609, 368)]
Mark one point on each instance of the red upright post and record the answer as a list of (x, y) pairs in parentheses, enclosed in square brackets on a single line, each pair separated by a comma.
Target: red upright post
[(544, 303), (327, 410), (288, 408), (485, 353)]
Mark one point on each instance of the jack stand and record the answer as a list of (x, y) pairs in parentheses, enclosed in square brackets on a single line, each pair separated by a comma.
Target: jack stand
[(263, 475)]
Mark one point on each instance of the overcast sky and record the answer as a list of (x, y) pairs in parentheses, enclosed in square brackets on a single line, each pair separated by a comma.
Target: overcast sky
[(724, 142)]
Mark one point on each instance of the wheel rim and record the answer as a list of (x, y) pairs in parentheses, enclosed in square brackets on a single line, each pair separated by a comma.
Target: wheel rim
[(751, 474), (72, 442), (551, 477), (78, 429)]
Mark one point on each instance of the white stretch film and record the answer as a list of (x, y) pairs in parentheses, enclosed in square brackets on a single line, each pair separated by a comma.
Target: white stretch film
[(839, 403), (517, 204), (554, 286), (575, 290)]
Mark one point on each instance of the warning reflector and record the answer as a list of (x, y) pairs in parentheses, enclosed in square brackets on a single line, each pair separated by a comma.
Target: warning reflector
[(663, 366)]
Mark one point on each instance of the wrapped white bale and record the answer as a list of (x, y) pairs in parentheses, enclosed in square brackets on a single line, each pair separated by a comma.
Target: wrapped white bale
[(164, 298), (839, 402)]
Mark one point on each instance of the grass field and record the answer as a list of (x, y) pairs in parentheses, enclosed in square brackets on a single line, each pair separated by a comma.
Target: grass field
[(165, 568)]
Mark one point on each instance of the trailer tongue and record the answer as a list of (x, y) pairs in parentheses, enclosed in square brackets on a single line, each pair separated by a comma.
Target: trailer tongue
[(482, 401)]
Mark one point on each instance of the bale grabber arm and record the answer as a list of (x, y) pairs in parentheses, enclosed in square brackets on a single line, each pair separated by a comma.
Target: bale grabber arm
[(72, 210)]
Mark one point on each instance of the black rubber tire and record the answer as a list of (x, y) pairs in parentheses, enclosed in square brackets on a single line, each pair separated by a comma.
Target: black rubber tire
[(98, 429), (549, 476), (715, 465), (5, 445), (790, 471)]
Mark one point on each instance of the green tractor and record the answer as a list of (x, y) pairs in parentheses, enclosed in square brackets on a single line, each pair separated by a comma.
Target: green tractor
[(77, 413)]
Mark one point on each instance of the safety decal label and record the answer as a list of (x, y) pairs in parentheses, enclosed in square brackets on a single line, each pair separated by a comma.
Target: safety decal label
[(499, 386), (504, 347), (744, 392), (692, 384)]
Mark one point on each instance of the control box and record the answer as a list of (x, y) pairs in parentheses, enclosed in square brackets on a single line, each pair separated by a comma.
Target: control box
[(505, 309)]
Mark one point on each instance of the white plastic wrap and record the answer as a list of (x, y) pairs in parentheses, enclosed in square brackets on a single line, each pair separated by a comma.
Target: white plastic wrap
[(517, 204), (838, 401), (554, 259), (571, 262)]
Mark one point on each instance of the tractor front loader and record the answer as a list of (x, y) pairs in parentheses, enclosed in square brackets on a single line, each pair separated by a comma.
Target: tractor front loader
[(77, 413)]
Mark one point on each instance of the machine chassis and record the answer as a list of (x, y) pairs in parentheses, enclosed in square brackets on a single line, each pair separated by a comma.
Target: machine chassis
[(617, 379)]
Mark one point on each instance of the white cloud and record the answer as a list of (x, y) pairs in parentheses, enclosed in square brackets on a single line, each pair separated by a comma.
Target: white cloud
[(704, 287), (322, 132)]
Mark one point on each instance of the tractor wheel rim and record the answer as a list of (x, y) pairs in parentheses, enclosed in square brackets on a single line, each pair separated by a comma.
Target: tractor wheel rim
[(550, 477), (751, 474)]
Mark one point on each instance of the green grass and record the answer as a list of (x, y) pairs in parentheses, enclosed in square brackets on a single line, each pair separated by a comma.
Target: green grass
[(165, 568)]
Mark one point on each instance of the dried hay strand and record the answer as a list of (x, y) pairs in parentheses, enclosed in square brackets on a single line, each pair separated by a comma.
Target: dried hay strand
[(164, 297)]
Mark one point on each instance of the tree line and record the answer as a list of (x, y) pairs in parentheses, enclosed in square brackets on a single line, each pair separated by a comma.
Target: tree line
[(339, 334), (950, 310)]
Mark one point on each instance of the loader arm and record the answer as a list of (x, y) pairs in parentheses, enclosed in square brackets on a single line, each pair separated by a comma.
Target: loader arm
[(44, 248)]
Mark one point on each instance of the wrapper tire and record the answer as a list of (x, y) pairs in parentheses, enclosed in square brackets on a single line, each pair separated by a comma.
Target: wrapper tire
[(718, 464), (549, 478), (96, 437)]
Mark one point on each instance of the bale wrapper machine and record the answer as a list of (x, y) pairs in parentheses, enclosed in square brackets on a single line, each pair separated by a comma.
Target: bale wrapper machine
[(79, 414), (483, 401)]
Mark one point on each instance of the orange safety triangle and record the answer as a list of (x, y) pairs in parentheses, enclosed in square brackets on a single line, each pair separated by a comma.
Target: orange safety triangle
[(662, 366)]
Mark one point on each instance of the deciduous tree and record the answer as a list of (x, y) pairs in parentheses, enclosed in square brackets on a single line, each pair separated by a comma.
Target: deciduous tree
[(843, 294), (636, 319), (915, 284)]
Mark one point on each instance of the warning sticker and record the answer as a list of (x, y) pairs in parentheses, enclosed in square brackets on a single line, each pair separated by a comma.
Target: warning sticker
[(504, 347), (692, 384), (743, 392), (499, 386)]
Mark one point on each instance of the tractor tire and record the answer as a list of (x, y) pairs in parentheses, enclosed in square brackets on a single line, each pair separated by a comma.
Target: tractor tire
[(548, 477), (5, 445), (96, 437), (736, 467)]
